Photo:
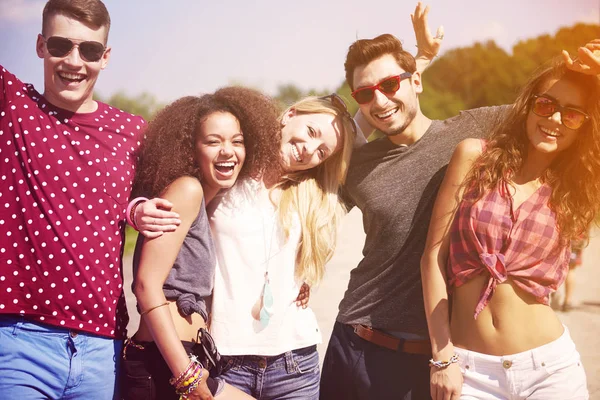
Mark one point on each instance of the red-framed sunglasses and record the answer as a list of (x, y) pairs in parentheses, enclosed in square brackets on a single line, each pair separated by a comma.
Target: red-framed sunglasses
[(89, 50), (388, 86), (545, 106)]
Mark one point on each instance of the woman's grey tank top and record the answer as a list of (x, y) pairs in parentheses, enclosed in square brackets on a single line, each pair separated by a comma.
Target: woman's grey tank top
[(190, 281)]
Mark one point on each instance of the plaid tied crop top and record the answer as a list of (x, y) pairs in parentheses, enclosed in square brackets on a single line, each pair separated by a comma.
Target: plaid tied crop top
[(523, 245)]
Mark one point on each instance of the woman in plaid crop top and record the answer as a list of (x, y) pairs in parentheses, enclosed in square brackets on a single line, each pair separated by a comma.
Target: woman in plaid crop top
[(499, 244)]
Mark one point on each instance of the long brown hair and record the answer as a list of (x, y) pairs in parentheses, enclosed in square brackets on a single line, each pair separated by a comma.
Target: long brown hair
[(574, 175)]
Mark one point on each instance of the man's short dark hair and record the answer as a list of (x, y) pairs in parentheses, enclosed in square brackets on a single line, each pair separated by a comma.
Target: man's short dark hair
[(363, 51), (89, 12)]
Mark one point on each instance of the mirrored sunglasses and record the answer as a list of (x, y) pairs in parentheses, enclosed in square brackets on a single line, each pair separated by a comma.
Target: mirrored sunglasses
[(571, 117), (60, 46)]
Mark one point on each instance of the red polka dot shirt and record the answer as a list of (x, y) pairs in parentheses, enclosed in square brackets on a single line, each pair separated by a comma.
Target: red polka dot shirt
[(65, 180)]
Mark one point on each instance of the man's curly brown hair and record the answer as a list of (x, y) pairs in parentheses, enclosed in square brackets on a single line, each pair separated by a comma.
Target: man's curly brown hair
[(169, 147)]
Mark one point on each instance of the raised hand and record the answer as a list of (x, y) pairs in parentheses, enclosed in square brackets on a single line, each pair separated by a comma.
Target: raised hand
[(587, 60), (429, 46)]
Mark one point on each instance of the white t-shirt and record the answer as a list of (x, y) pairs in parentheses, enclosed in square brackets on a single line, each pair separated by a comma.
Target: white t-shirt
[(247, 233)]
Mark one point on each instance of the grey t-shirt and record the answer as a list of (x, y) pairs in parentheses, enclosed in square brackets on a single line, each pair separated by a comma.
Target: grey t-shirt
[(395, 188), (190, 281)]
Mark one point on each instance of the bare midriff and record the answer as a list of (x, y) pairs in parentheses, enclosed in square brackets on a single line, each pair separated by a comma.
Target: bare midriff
[(512, 322), (186, 327)]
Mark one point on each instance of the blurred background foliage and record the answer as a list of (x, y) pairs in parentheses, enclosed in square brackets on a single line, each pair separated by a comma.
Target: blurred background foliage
[(482, 74)]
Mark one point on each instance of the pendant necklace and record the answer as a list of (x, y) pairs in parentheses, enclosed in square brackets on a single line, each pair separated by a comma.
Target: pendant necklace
[(267, 295)]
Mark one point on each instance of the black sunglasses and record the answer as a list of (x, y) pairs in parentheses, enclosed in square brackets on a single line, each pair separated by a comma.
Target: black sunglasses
[(89, 50), (340, 104), (545, 106)]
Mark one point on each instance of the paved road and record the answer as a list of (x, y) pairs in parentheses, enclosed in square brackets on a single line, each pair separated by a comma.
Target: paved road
[(583, 322)]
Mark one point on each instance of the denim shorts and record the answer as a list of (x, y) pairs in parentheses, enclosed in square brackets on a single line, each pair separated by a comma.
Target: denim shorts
[(287, 376), (145, 374), (551, 371), (39, 361)]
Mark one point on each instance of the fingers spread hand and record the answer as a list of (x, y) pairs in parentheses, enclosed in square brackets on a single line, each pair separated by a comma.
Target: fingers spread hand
[(303, 296), (157, 225), (159, 220), (161, 203), (169, 217)]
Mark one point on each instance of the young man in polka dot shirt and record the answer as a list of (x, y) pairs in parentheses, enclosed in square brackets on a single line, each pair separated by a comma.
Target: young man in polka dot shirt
[(67, 164)]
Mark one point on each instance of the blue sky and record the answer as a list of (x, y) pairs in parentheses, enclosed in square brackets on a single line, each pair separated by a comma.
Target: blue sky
[(182, 47)]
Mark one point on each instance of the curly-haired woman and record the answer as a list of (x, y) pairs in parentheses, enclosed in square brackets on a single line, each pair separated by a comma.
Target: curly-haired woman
[(193, 148), (499, 243)]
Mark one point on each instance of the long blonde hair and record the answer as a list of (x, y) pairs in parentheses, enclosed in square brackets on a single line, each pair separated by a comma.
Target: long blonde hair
[(313, 195)]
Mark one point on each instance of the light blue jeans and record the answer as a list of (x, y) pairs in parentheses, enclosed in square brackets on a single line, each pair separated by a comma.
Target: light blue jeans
[(40, 361), (293, 375)]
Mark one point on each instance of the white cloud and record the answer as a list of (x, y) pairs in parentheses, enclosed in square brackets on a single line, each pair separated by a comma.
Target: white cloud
[(21, 10)]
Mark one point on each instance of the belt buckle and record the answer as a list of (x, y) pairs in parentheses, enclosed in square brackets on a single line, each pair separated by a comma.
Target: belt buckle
[(361, 326), (401, 343)]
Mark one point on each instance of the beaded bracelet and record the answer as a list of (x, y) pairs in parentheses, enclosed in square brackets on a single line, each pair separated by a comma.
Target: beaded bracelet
[(176, 381), (130, 214), (187, 387), (443, 364), (191, 379), (192, 387)]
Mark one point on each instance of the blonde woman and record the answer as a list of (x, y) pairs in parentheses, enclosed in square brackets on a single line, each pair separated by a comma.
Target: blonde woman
[(272, 234)]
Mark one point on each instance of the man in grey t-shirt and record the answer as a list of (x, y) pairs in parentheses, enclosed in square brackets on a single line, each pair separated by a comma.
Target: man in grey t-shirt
[(379, 347)]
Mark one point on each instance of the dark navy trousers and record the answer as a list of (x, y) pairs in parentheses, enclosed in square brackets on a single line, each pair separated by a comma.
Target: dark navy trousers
[(355, 369)]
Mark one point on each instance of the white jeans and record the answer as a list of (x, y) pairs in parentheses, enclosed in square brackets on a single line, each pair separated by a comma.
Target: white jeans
[(551, 371)]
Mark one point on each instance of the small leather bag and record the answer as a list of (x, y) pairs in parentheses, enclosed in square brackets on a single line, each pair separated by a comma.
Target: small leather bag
[(207, 353)]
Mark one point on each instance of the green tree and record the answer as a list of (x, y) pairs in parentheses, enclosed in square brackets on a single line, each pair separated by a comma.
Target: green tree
[(145, 104), (484, 74), (289, 93), (345, 93)]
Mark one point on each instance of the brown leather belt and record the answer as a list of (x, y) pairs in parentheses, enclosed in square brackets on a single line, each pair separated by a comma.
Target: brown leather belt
[(391, 342)]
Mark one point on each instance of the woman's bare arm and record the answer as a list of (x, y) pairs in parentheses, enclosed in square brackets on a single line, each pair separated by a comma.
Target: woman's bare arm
[(446, 383)]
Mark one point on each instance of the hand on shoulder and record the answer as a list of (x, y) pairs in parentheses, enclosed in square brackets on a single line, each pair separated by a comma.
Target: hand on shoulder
[(186, 195)]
